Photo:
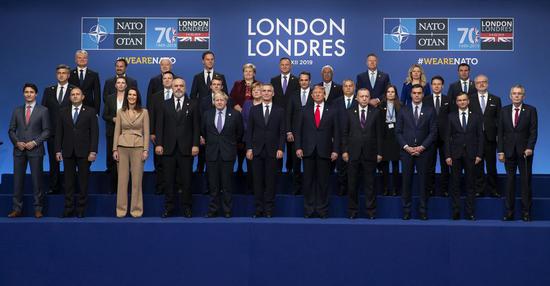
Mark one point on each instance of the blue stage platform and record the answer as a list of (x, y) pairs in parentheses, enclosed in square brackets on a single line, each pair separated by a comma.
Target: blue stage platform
[(278, 251)]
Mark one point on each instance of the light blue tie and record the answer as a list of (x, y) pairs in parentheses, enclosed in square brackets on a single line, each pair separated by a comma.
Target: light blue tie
[(348, 105), (304, 97), (219, 124), (372, 79), (75, 115), (483, 104)]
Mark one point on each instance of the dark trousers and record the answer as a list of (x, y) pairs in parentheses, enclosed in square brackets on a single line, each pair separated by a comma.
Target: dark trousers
[(19, 170), (408, 164), (201, 159), (487, 183), (342, 173), (445, 172), (525, 172), (468, 165), (365, 170), (220, 180), (111, 165), (54, 175), (177, 165), (265, 171), (74, 165), (316, 174), (296, 167), (159, 174), (394, 174)]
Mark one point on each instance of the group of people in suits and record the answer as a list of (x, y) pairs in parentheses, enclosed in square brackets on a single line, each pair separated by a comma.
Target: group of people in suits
[(322, 127)]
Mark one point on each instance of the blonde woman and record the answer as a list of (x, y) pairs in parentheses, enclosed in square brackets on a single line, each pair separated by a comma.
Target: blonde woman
[(130, 150), (415, 75)]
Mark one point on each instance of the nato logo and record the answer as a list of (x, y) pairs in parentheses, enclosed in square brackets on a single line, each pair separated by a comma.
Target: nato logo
[(399, 34), (97, 34), (464, 35), (162, 34)]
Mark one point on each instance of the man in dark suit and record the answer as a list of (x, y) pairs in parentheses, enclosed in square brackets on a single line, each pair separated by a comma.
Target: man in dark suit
[(517, 136), (177, 134), (87, 80), (29, 128), (155, 83), (440, 103), (120, 70), (463, 149), (415, 130), (265, 140), (296, 103), (342, 104), (202, 90), (221, 128), (362, 149), (55, 97), (463, 84), (153, 105), (317, 144), (332, 89), (76, 145), (488, 106), (285, 85), (374, 80)]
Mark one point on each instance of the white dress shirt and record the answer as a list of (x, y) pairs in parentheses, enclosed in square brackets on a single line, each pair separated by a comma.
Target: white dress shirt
[(218, 115), (321, 107), (59, 86)]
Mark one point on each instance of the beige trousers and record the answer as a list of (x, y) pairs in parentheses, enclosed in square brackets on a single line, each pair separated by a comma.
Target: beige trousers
[(129, 161)]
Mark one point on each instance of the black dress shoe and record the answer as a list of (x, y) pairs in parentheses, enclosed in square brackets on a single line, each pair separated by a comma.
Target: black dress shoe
[(456, 215), (495, 195), (471, 217), (80, 214), (67, 214), (526, 217), (227, 215), (371, 215), (52, 192), (445, 194), (268, 215), (308, 216), (352, 216), (424, 216), (166, 214), (159, 191), (406, 216), (479, 194), (323, 216), (211, 215), (508, 217), (385, 192), (257, 215), (187, 213), (394, 193)]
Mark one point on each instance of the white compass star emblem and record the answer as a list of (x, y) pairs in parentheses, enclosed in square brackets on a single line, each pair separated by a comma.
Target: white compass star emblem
[(400, 34), (98, 33)]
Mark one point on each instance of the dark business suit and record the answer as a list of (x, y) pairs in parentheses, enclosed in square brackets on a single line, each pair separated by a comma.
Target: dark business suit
[(90, 87), (177, 133), (38, 131), (335, 92), (109, 112), (317, 144), (202, 93), (382, 81), (455, 89), (109, 85), (221, 152), (293, 112), (341, 104), (411, 133), (390, 148), (463, 145), (153, 105), (155, 85), (264, 140), (50, 99), (513, 141), (75, 141), (438, 146), (487, 183), (363, 144)]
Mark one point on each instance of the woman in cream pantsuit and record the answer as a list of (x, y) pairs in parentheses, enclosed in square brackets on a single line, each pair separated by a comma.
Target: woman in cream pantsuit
[(130, 150)]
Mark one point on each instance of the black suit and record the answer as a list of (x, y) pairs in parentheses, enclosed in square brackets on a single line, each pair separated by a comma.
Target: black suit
[(293, 112), (341, 104), (411, 133), (109, 112), (265, 140), (438, 146), (455, 89), (463, 146), (390, 149), (154, 86), (317, 144), (335, 92), (50, 100), (363, 144), (75, 141), (221, 151), (487, 183), (382, 81), (109, 85), (513, 141), (177, 133), (90, 87), (202, 93), (154, 103)]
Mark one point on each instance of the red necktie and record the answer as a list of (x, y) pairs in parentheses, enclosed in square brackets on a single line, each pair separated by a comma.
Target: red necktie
[(28, 114), (317, 116), (516, 117)]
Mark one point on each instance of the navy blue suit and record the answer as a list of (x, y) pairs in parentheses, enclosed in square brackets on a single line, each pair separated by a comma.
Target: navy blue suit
[(317, 144), (265, 140), (463, 146), (382, 81), (340, 104), (412, 133)]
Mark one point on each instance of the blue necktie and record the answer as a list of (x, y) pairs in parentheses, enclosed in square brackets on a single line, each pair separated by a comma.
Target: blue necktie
[(285, 84), (75, 115), (464, 121), (483, 104), (465, 88), (416, 114), (348, 105), (372, 79), (219, 124), (81, 77)]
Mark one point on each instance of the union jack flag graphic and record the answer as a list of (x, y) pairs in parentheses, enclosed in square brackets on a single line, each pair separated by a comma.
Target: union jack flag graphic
[(497, 37), (193, 37)]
